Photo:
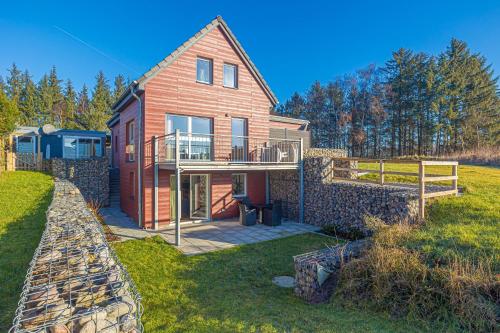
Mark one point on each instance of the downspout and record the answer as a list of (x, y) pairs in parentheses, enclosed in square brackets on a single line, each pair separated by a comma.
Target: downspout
[(139, 153)]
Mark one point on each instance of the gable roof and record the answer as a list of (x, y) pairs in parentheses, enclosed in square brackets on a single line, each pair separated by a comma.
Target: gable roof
[(217, 22)]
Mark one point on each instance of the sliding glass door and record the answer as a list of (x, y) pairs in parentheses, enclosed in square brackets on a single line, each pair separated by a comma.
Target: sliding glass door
[(195, 197), (199, 196)]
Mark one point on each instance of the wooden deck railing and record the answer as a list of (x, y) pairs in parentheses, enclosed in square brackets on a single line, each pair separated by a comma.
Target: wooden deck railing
[(423, 178)]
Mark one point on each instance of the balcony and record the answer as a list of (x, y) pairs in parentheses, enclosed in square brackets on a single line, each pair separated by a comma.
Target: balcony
[(191, 151)]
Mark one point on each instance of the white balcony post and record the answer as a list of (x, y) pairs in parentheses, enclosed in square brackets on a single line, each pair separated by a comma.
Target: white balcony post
[(301, 182), (178, 189), (155, 161)]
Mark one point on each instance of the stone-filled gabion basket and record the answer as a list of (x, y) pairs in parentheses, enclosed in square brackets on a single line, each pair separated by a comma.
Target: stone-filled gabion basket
[(75, 282), (314, 269)]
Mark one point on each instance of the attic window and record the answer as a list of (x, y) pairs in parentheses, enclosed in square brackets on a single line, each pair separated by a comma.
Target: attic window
[(230, 76), (204, 70)]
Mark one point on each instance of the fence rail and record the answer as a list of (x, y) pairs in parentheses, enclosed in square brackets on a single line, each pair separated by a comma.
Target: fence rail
[(422, 177)]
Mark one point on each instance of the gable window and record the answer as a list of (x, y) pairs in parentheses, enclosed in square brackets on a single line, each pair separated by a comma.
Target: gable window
[(204, 70), (230, 76), (129, 147), (239, 181), (81, 147)]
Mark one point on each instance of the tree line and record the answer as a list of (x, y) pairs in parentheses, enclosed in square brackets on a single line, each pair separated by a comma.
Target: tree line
[(52, 100), (416, 104)]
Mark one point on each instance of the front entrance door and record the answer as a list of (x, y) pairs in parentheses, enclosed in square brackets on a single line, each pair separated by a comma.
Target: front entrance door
[(195, 196)]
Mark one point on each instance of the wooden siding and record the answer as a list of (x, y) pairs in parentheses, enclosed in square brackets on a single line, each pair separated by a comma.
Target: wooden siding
[(174, 90), (222, 203), (127, 204)]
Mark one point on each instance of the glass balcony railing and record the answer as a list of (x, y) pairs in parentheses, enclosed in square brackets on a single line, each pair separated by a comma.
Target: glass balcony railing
[(227, 148)]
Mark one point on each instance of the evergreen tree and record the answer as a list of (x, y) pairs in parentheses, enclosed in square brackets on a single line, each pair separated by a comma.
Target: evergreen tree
[(8, 115), (58, 115), (14, 83), (28, 101), (100, 105), (70, 105), (119, 87), (44, 101), (2, 84), (83, 109)]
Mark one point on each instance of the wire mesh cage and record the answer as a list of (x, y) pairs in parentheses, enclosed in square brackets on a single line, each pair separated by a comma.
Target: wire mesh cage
[(75, 282)]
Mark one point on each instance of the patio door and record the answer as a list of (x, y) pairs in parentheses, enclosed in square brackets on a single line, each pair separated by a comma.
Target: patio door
[(199, 196), (195, 197)]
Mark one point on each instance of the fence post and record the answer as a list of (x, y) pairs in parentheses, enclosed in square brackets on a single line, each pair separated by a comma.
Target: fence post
[(156, 174), (381, 172), (301, 182), (421, 191), (178, 188), (454, 172), (333, 170)]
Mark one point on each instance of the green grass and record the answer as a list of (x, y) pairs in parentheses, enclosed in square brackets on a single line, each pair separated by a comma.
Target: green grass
[(24, 198), (231, 290), (467, 226)]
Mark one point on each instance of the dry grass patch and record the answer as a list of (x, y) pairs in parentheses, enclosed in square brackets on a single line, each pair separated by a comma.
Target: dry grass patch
[(461, 294)]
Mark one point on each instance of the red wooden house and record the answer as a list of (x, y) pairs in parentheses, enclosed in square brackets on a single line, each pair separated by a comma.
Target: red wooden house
[(202, 117)]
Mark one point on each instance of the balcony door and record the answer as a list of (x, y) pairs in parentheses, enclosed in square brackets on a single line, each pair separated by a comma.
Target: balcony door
[(196, 136), (239, 140)]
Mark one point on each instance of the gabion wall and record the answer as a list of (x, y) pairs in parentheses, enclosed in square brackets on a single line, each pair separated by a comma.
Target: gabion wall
[(75, 282), (90, 175), (346, 204), (284, 184), (343, 204)]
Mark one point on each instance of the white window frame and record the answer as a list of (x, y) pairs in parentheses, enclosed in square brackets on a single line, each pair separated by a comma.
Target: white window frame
[(77, 153), (245, 192), (129, 142), (189, 136), (235, 75), (26, 136), (210, 70)]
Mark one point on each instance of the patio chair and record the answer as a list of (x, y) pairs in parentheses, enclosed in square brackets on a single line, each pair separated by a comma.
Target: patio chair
[(248, 216), (271, 215)]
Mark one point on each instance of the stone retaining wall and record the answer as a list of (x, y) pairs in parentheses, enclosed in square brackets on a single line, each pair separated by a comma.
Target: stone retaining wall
[(90, 175), (346, 204), (75, 282), (341, 203), (284, 184), (316, 273)]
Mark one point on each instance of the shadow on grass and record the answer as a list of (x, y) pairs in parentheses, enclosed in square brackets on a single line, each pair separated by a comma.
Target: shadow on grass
[(232, 290), (19, 238)]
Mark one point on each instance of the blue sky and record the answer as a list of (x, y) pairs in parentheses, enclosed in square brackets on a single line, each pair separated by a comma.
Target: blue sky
[(292, 43)]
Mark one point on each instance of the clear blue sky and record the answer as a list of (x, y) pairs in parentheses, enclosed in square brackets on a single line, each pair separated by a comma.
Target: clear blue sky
[(292, 43)]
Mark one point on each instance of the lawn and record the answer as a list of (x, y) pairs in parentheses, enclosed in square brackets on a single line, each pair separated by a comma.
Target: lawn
[(467, 226), (24, 198), (231, 290)]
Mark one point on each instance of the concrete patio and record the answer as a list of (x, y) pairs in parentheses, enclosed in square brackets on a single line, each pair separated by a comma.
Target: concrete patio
[(204, 237)]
